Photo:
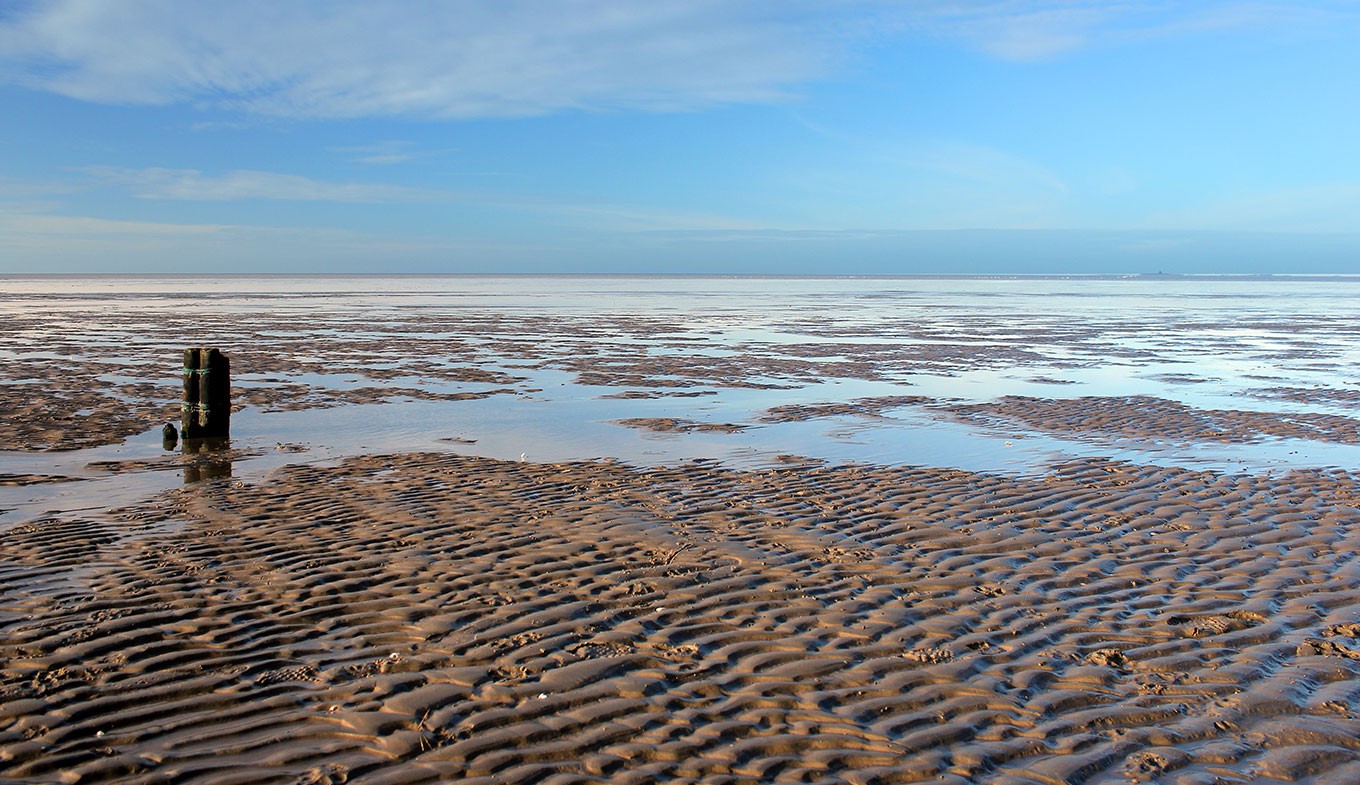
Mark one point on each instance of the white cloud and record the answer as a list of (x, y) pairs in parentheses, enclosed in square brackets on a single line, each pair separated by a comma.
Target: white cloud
[(43, 242), (500, 58), (563, 211), (11, 188), (20, 224), (47, 242), (1021, 31), (392, 151), (1037, 29), (423, 58), (193, 185)]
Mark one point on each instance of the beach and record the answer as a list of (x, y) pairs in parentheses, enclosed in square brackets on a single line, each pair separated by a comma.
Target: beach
[(631, 530)]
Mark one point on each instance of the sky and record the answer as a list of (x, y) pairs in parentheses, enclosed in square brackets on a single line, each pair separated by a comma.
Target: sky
[(679, 136)]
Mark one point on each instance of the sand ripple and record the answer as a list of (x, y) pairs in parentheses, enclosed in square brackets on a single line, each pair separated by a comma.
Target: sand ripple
[(1144, 417), (432, 617)]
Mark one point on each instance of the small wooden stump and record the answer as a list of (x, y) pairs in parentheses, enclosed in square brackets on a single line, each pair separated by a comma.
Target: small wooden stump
[(206, 410)]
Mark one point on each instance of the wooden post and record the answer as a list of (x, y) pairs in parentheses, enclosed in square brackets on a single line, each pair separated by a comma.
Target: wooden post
[(206, 411), (188, 410)]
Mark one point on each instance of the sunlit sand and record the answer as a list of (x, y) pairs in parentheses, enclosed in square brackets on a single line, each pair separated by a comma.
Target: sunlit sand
[(664, 530)]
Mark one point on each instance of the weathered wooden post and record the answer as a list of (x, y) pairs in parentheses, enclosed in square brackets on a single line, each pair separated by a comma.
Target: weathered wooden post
[(206, 410)]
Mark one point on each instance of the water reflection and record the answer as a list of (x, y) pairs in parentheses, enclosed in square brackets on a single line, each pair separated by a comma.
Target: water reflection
[(211, 460)]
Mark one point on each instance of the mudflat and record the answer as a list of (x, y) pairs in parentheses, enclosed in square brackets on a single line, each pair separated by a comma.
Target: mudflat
[(423, 616)]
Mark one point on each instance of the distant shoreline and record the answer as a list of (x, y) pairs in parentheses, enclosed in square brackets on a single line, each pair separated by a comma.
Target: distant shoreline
[(1167, 277)]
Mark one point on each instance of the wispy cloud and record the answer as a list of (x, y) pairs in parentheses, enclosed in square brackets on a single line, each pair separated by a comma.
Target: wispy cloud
[(193, 185), (47, 242), (502, 58), (11, 188), (51, 242), (558, 210), (19, 224), (424, 58), (391, 151), (1036, 29)]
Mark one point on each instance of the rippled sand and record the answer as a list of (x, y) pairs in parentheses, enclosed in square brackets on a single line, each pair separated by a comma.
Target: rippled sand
[(423, 617)]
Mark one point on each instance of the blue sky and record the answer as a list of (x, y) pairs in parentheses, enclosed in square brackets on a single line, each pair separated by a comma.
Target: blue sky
[(799, 136)]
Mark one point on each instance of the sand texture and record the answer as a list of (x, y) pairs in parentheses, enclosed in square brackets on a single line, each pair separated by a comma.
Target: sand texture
[(1143, 417), (338, 597), (679, 425), (423, 618)]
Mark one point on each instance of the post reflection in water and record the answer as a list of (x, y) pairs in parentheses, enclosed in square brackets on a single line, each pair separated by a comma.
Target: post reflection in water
[(211, 459)]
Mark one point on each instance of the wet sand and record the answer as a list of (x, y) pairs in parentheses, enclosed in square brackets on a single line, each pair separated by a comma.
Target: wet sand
[(1143, 417), (425, 617)]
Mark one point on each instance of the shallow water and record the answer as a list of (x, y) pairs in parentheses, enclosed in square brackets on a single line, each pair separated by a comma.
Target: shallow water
[(1207, 342)]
